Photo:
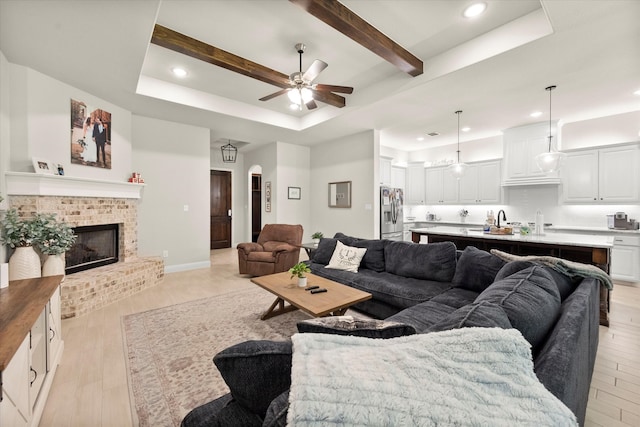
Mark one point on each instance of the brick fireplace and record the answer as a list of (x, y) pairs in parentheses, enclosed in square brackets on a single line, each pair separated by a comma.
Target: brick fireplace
[(90, 290)]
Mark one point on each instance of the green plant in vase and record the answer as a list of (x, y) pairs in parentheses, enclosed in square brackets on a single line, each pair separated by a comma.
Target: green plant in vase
[(300, 270), (21, 234), (316, 237), (55, 239)]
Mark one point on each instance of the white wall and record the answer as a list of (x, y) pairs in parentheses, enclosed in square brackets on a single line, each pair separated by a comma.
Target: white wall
[(346, 159), (293, 171), (40, 126), (176, 175), (608, 130), (5, 135)]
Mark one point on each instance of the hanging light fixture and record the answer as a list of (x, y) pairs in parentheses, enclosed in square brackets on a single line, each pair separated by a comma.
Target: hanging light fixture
[(457, 169), (229, 153), (550, 161)]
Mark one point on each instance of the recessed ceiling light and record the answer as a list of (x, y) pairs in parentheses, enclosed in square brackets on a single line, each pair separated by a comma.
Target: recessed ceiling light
[(179, 72), (420, 138), (637, 92), (474, 10), (465, 129), (536, 114)]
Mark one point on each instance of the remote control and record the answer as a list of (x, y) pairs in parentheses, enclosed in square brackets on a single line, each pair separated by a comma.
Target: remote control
[(311, 287), (317, 291)]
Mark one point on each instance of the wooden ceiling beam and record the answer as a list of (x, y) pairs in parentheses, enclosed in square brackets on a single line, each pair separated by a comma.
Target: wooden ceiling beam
[(173, 40), (335, 14)]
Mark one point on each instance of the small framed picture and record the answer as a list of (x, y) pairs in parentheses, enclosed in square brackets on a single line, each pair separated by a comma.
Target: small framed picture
[(294, 193), (44, 166)]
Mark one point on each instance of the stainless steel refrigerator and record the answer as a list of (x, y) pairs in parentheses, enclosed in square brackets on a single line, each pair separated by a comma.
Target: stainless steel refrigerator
[(391, 216)]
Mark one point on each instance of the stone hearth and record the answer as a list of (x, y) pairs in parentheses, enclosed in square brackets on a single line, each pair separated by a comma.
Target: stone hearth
[(90, 290)]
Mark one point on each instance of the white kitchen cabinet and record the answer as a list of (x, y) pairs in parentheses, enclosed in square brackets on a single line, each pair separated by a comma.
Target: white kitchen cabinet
[(441, 186), (480, 184), (521, 146), (625, 258), (385, 171), (28, 375), (414, 192), (398, 179), (606, 175)]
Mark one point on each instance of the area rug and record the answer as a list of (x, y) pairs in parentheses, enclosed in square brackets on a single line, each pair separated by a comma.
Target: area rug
[(170, 350)]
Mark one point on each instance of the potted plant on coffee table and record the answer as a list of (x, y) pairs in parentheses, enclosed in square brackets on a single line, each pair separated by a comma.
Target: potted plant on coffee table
[(300, 270), (315, 237), (55, 239), (21, 235)]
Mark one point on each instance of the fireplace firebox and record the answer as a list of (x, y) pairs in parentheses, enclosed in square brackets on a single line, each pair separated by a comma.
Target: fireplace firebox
[(95, 246)]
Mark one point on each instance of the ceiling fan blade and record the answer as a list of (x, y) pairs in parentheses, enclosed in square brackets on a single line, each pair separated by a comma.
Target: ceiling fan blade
[(329, 98), (311, 105), (273, 95), (332, 88), (173, 40), (314, 70)]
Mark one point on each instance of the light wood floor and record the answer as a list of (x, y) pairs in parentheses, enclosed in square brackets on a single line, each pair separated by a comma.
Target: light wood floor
[(90, 387)]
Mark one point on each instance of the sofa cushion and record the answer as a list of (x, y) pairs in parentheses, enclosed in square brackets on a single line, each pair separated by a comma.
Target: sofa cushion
[(435, 261), (512, 267), (221, 412), (423, 316), (531, 300), (476, 269), (374, 257), (456, 297), (277, 411), (323, 253), (256, 372), (347, 325), (346, 257), (483, 314)]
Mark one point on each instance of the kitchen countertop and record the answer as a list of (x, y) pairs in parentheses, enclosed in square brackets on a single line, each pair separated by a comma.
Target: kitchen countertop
[(598, 230), (555, 238)]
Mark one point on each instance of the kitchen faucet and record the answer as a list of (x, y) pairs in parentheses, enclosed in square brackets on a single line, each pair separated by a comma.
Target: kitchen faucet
[(504, 217)]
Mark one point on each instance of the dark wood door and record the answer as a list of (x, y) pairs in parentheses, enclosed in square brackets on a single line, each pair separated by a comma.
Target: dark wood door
[(220, 195)]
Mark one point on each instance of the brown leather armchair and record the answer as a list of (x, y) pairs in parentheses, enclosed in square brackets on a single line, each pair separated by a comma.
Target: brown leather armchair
[(277, 250)]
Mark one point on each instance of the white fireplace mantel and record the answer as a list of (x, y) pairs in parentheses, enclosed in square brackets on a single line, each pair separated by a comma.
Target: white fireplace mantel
[(34, 184)]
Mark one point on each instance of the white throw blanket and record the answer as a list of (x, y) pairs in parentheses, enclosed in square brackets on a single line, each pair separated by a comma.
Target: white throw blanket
[(462, 377)]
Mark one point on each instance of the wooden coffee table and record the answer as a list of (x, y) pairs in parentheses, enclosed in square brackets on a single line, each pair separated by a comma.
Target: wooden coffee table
[(334, 302)]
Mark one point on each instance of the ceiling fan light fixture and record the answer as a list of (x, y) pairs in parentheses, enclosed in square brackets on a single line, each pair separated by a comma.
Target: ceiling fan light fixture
[(300, 96), (550, 161), (458, 169)]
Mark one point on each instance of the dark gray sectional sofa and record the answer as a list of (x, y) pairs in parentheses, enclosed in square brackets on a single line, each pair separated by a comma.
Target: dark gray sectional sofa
[(428, 288)]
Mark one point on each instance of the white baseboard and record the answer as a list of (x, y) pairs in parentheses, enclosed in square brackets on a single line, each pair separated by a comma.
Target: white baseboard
[(186, 267)]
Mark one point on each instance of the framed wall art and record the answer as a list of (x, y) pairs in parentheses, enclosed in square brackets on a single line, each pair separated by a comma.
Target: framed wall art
[(43, 166), (267, 196), (90, 135), (294, 193), (340, 194)]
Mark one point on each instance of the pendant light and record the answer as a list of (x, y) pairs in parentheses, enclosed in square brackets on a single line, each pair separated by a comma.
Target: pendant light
[(229, 153), (457, 169), (551, 161)]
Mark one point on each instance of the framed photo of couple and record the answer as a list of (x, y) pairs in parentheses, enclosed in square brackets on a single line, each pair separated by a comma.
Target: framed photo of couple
[(90, 135)]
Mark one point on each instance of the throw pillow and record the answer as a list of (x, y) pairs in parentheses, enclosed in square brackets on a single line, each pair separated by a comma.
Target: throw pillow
[(347, 325), (277, 411), (531, 300), (346, 257), (256, 372), (476, 269), (326, 247), (482, 314)]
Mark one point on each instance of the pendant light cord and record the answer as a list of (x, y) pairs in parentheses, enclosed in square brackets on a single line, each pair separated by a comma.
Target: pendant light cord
[(550, 88), (458, 113)]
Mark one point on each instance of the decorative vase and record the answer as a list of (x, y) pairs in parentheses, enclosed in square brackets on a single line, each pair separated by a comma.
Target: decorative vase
[(315, 241), (53, 265), (302, 282), (24, 263)]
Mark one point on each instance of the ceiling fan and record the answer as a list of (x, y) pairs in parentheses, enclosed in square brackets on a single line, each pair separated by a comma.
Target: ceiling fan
[(303, 90)]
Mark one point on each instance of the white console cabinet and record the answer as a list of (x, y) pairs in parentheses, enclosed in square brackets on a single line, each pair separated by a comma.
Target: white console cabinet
[(31, 348)]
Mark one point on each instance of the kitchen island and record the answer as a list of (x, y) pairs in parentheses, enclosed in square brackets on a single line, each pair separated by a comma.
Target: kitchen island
[(586, 249)]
